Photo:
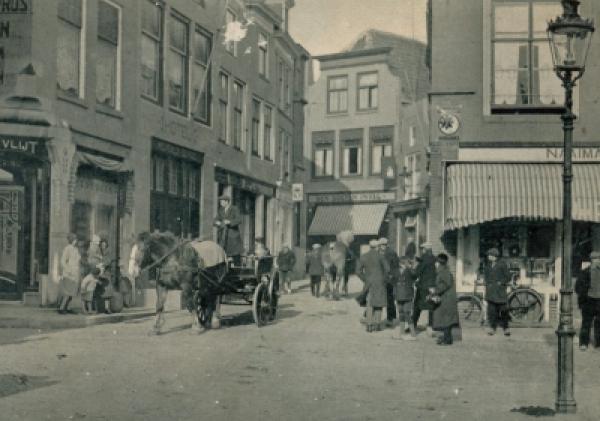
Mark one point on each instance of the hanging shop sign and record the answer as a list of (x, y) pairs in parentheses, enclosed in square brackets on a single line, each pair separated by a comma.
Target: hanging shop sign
[(297, 192)]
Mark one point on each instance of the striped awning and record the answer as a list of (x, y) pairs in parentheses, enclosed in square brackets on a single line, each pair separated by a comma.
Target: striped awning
[(363, 219), (483, 192)]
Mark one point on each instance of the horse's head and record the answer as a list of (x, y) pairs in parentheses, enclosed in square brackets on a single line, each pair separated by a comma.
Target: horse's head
[(153, 247)]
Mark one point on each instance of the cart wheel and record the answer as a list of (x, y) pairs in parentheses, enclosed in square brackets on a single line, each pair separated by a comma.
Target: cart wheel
[(470, 313), (261, 305), (525, 306)]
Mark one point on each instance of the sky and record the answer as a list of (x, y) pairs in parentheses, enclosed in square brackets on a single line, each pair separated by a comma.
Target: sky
[(329, 26)]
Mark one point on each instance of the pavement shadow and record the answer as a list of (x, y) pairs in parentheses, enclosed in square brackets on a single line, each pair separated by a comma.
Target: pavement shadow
[(535, 411), (11, 384), (20, 338)]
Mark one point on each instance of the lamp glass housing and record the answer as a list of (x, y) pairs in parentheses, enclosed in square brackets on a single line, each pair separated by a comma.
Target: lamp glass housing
[(570, 38)]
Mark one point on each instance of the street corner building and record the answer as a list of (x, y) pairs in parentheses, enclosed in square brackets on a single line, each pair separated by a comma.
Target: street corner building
[(496, 152), (122, 117), (366, 142)]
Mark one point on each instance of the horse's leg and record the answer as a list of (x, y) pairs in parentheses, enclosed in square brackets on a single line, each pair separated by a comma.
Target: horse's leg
[(187, 297), (216, 315), (161, 298)]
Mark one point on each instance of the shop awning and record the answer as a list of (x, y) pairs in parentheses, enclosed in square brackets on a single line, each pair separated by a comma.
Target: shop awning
[(482, 192), (363, 219)]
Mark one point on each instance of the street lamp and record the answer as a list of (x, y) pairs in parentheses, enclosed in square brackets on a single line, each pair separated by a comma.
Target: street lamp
[(570, 37)]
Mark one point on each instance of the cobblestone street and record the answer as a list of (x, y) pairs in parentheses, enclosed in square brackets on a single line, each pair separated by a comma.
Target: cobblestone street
[(315, 363)]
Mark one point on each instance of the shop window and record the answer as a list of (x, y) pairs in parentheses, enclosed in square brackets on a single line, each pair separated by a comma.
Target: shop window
[(108, 65), (522, 76), (80, 219), (178, 64), (539, 241), (201, 75), (152, 38), (70, 45)]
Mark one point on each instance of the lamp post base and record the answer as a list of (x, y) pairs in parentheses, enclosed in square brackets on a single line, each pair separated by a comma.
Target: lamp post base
[(565, 399), (566, 407)]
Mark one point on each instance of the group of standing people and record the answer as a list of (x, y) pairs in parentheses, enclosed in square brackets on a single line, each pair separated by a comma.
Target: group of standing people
[(86, 269), (406, 287)]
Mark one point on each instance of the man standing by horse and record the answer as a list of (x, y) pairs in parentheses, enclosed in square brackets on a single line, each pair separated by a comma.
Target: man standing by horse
[(228, 222), (394, 264), (372, 268)]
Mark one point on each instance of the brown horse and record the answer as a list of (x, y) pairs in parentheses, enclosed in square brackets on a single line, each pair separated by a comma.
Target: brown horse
[(195, 267)]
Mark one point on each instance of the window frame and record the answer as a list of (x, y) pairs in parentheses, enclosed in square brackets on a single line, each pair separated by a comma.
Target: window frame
[(383, 144), (268, 133), (255, 129), (81, 73), (489, 108), (159, 84), (186, 64), (118, 58), (346, 146), (199, 30), (263, 55), (337, 91), (370, 87), (224, 101), (238, 108), (328, 148), (231, 46)]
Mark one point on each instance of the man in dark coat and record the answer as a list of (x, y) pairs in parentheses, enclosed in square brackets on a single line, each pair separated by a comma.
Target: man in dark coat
[(228, 222), (445, 314), (497, 278), (285, 262), (315, 269), (373, 269), (425, 273), (394, 264), (588, 294)]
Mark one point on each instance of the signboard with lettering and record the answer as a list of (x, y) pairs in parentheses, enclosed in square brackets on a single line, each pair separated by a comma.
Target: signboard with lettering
[(355, 197), (585, 154), (297, 192), (21, 145)]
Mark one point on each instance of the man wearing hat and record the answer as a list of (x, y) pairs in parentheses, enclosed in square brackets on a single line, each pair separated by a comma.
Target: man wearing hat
[(315, 269), (372, 268), (588, 292), (425, 274), (497, 277), (445, 314), (394, 264), (228, 222)]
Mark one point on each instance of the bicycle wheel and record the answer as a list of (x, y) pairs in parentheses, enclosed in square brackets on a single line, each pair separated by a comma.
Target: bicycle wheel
[(470, 312), (525, 306)]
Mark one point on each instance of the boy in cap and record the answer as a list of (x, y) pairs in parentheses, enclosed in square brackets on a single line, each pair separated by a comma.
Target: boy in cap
[(404, 294), (315, 269), (497, 277)]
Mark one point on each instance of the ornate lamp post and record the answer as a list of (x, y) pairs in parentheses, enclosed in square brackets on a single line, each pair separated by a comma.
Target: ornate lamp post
[(570, 37)]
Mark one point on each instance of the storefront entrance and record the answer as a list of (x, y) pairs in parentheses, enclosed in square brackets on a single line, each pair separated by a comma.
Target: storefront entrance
[(11, 239)]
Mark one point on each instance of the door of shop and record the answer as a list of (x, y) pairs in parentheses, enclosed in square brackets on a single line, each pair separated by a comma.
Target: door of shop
[(11, 241)]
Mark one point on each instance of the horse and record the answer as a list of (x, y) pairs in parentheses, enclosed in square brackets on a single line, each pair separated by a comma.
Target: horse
[(333, 258), (196, 267)]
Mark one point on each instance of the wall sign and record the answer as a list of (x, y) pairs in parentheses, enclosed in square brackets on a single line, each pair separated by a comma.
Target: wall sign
[(297, 192), (352, 197), (590, 154), (21, 145)]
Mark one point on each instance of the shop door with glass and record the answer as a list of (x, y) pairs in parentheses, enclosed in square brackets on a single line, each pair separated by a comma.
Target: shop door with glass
[(11, 220)]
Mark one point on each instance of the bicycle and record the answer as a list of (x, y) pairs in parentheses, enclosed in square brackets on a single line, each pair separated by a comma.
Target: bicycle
[(524, 304)]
